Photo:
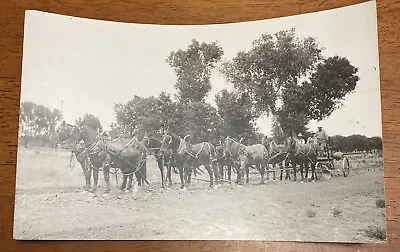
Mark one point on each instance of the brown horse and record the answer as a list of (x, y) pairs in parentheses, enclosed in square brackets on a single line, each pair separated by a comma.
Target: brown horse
[(303, 155), (195, 155), (153, 146), (224, 161), (64, 132), (245, 156), (128, 156), (169, 148)]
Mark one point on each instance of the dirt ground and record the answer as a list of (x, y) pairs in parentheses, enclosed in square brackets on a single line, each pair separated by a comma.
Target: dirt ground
[(50, 205)]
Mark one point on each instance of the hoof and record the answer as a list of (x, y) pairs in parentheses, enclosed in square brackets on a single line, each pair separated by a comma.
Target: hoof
[(313, 181), (127, 191), (302, 182), (92, 195), (184, 189)]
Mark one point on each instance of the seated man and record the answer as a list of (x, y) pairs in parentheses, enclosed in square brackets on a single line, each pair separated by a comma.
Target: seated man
[(300, 139)]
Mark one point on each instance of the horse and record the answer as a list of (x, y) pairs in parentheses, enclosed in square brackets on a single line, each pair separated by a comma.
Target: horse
[(154, 145), (196, 155), (63, 133), (127, 155), (245, 156), (302, 154), (223, 161), (277, 156), (169, 147)]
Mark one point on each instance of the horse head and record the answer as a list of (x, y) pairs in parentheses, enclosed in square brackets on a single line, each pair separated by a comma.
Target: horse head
[(183, 145)]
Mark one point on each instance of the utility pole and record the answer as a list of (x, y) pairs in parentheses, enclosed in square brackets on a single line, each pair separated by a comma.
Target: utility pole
[(62, 112)]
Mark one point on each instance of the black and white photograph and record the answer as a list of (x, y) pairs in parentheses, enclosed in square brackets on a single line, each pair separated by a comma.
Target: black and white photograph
[(264, 130)]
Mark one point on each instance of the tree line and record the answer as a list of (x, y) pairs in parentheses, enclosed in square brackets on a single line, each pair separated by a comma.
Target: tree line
[(282, 76)]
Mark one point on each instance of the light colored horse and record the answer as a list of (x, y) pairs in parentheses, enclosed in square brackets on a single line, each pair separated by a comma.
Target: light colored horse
[(245, 156), (195, 155)]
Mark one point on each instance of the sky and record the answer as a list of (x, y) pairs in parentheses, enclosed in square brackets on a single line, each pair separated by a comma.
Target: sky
[(92, 64)]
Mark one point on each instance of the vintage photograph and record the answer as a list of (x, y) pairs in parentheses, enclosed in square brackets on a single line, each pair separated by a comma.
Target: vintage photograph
[(263, 130)]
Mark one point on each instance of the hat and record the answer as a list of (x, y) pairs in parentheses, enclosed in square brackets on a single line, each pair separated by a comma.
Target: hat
[(300, 134), (319, 127)]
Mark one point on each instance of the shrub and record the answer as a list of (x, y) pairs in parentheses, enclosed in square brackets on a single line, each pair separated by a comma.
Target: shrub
[(375, 232)]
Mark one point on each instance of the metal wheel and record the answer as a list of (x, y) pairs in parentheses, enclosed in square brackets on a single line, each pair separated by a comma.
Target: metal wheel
[(346, 167), (322, 171)]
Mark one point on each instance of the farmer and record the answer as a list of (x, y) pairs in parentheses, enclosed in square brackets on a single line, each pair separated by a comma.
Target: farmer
[(322, 138), (300, 139)]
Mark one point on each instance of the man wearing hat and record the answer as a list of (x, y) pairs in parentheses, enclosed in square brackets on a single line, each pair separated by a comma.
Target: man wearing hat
[(300, 139), (322, 138)]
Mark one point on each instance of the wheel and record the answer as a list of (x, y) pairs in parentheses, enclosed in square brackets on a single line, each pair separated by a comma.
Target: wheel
[(346, 167), (322, 171)]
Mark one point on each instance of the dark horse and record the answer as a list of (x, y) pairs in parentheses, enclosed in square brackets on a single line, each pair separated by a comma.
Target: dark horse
[(302, 154), (169, 148), (195, 155), (245, 156), (64, 132), (153, 145), (223, 161), (127, 155)]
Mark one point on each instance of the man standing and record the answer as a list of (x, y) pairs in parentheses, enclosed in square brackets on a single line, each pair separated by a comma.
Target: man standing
[(322, 138)]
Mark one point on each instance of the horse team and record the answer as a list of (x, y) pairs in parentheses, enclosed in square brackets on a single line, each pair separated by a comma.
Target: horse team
[(173, 152)]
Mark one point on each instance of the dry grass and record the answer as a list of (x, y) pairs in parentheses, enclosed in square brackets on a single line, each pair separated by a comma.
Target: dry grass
[(375, 232), (380, 203)]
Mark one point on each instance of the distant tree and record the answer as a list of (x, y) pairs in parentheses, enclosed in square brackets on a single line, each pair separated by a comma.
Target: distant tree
[(288, 78), (376, 143), (193, 69), (91, 121), (37, 121)]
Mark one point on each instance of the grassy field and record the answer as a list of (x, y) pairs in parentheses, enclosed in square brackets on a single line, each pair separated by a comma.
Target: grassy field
[(50, 205)]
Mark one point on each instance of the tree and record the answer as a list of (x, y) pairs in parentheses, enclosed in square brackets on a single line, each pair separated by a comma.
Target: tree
[(193, 69), (237, 116), (37, 122), (288, 78), (376, 143), (91, 121)]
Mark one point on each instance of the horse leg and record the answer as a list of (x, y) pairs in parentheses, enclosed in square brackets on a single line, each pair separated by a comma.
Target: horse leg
[(106, 173), (229, 172), (215, 170), (301, 171), (181, 176), (87, 173), (130, 180), (262, 172), (294, 171), (210, 173), (160, 163), (95, 179), (169, 175), (247, 173), (123, 186), (313, 173)]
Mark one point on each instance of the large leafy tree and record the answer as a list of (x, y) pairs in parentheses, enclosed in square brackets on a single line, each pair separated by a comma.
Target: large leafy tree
[(288, 78), (193, 69), (237, 115), (91, 121)]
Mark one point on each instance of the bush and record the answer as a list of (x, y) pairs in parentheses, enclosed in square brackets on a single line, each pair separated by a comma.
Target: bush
[(336, 212), (311, 213), (375, 232), (380, 203)]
